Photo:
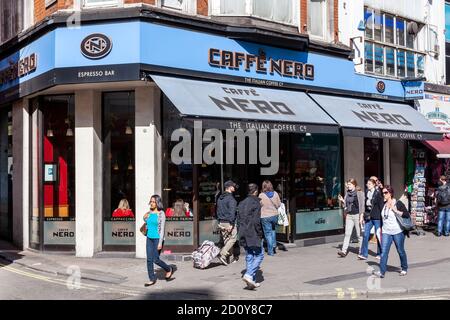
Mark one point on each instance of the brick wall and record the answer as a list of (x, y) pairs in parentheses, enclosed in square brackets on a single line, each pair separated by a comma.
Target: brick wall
[(40, 12), (202, 7), (303, 15)]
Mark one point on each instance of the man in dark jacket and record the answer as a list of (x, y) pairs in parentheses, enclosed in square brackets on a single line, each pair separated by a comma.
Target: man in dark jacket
[(251, 234), (443, 204), (372, 218), (226, 216)]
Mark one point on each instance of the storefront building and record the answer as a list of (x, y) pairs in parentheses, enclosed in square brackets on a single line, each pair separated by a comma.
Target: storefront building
[(94, 110)]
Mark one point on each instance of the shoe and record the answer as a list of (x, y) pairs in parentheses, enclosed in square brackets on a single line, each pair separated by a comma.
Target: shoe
[(378, 274), (250, 283), (446, 234), (342, 254), (257, 284), (360, 257), (169, 274), (223, 260), (148, 284), (438, 234), (378, 257), (403, 273), (234, 259)]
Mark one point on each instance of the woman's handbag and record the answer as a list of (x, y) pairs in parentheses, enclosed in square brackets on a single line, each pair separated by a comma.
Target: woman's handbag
[(282, 216), (143, 229), (405, 224)]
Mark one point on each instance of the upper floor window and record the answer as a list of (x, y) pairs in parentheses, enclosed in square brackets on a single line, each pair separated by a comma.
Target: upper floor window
[(283, 11), (391, 45), (98, 3), (11, 18), (321, 18), (447, 22)]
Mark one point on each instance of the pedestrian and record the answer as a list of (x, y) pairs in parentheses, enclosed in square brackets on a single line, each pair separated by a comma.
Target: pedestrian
[(372, 218), (392, 232), (353, 202), (251, 234), (123, 210), (270, 201), (443, 204), (155, 220), (226, 216)]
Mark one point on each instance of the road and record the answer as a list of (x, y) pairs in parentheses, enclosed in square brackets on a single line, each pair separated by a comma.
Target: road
[(20, 283)]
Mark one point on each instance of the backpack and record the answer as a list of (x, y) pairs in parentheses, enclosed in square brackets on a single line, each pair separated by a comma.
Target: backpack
[(443, 196), (204, 254)]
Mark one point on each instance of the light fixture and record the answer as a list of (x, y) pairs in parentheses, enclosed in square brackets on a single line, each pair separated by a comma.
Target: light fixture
[(116, 166), (128, 130), (49, 131), (130, 166), (69, 132)]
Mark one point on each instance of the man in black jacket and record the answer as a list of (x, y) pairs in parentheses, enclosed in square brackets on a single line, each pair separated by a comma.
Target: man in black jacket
[(251, 234), (372, 218), (226, 216)]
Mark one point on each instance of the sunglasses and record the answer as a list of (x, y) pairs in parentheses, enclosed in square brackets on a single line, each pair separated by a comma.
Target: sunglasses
[(152, 201), (385, 192)]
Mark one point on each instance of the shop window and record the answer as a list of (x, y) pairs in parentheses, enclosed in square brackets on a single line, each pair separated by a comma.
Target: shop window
[(410, 64), (58, 177), (118, 169), (368, 52), (390, 61), (368, 18), (6, 173), (283, 11), (317, 183), (389, 28), (401, 65), (378, 26), (379, 59), (373, 158), (420, 65), (400, 29)]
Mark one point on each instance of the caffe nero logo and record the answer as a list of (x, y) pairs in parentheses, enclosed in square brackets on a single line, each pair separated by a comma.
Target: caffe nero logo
[(96, 46), (381, 86)]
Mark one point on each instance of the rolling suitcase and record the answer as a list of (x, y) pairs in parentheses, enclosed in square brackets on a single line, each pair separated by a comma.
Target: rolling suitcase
[(204, 254)]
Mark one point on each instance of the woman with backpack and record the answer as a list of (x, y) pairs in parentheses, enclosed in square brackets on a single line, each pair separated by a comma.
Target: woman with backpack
[(270, 202), (353, 202), (392, 232), (443, 204), (155, 220)]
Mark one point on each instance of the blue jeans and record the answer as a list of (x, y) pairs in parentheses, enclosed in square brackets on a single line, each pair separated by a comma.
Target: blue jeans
[(365, 244), (399, 240), (153, 258), (254, 258), (269, 224), (444, 221)]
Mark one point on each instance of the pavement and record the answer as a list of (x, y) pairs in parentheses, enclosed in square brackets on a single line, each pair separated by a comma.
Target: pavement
[(314, 272)]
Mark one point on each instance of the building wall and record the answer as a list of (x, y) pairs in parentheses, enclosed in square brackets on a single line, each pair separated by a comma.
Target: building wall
[(40, 11)]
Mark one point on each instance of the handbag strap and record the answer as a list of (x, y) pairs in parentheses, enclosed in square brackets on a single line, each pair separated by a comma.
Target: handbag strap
[(272, 202)]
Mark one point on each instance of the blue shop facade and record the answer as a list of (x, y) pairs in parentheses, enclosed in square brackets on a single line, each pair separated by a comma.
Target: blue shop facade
[(88, 116)]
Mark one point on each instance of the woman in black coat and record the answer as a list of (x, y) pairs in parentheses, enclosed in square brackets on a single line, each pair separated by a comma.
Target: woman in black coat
[(251, 234)]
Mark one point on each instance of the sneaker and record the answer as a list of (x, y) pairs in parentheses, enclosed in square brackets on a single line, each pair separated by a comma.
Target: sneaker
[(438, 234), (378, 274), (342, 254), (234, 259), (403, 273), (250, 283), (446, 234), (378, 257), (223, 260), (360, 257), (257, 284)]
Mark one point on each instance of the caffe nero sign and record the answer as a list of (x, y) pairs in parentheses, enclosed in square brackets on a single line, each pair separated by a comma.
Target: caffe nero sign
[(96, 46)]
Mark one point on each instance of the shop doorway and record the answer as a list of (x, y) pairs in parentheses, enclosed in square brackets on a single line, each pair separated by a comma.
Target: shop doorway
[(52, 216), (373, 159), (6, 164)]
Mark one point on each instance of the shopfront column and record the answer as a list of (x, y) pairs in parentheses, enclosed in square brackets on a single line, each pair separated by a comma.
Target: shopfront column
[(21, 172), (148, 155), (387, 162), (4, 194), (397, 164), (88, 173), (354, 159)]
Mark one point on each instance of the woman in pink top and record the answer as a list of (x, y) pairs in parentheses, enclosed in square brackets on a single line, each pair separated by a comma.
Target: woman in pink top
[(270, 202)]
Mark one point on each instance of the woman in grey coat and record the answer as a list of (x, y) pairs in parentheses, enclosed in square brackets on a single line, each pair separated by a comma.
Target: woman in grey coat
[(354, 214)]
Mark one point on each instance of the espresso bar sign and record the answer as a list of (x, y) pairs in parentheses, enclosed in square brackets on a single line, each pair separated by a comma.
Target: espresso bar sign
[(18, 69), (261, 64)]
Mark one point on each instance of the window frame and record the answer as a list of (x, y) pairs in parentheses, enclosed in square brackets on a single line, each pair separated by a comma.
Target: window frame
[(395, 45), (325, 30), (105, 3), (215, 10)]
